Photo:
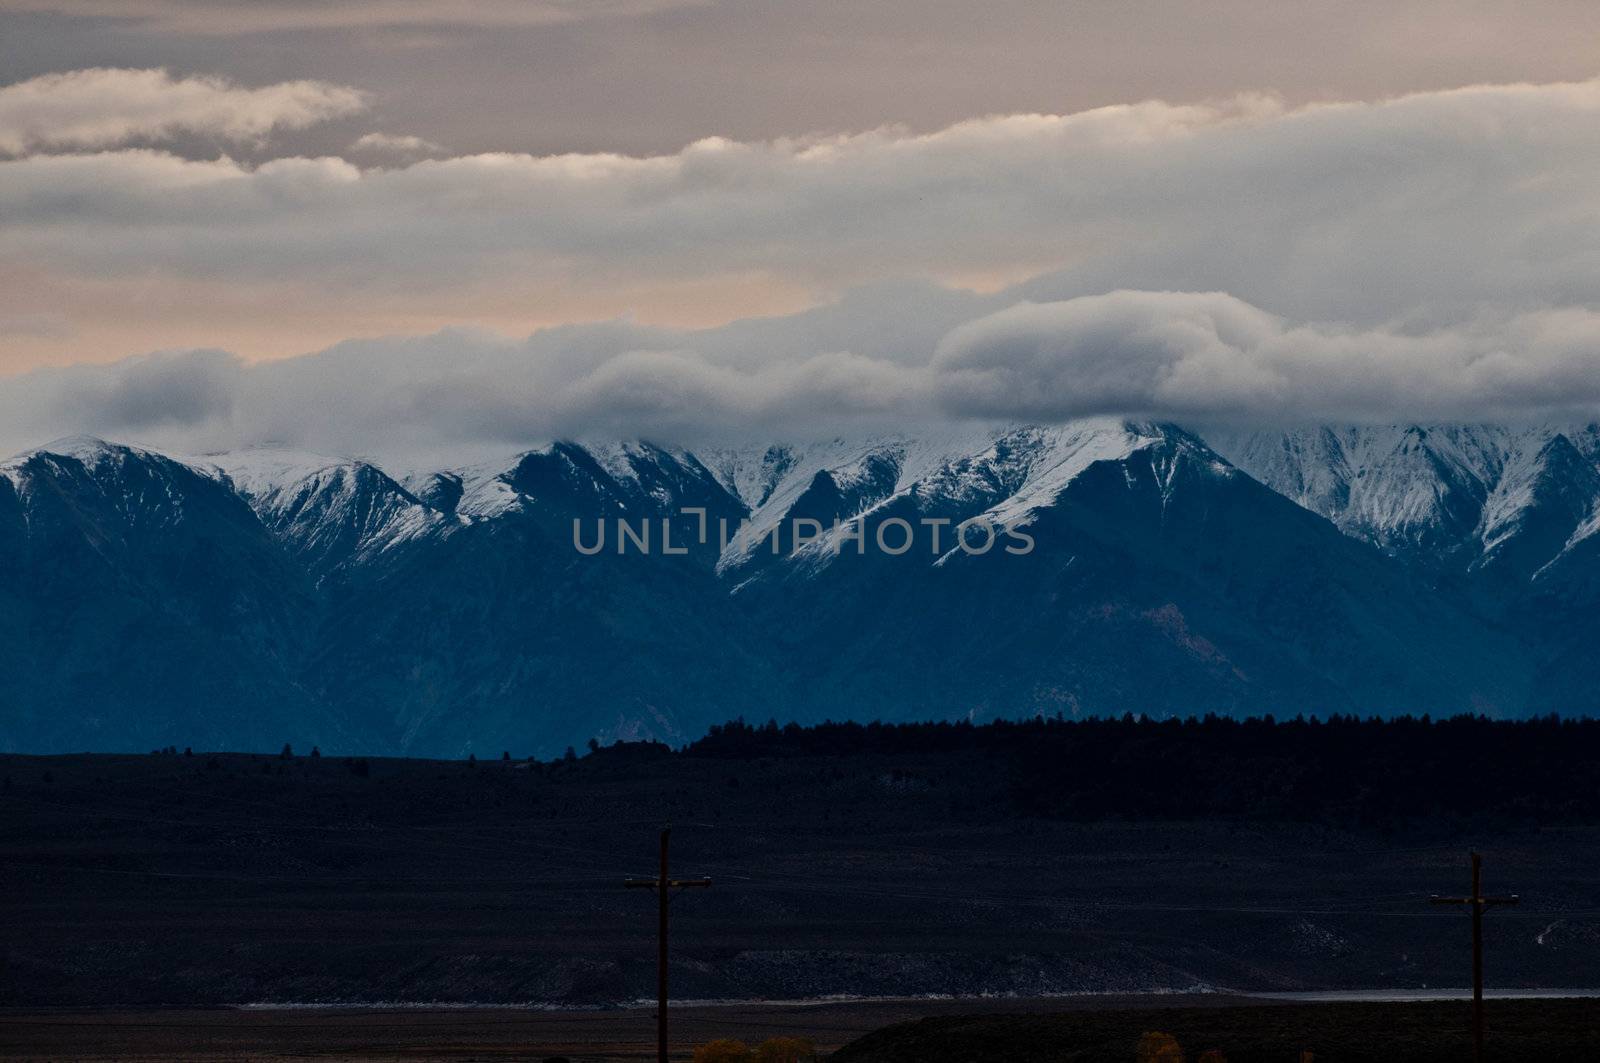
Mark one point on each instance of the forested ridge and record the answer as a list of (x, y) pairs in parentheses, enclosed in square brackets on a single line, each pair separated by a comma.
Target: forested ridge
[(1370, 771)]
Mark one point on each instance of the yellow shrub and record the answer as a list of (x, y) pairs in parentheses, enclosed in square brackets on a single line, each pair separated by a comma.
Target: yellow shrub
[(723, 1050), (1158, 1047), (785, 1050)]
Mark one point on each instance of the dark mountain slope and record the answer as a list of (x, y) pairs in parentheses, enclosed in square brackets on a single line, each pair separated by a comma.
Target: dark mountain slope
[(1163, 582), (146, 604)]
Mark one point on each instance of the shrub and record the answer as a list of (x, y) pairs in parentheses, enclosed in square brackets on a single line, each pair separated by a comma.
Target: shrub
[(723, 1050), (785, 1050), (1157, 1047)]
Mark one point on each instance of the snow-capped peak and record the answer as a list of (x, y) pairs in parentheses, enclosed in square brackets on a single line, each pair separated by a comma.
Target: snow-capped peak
[(85, 449)]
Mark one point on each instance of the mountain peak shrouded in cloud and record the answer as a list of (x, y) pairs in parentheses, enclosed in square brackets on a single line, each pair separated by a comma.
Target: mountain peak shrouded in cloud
[(1211, 356), (1191, 357)]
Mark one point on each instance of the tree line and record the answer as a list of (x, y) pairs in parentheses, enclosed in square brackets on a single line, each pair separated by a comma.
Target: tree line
[(1339, 768)]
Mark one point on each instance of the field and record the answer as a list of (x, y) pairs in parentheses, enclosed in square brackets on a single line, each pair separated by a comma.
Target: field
[(1549, 1031), (179, 881), (1068, 1030)]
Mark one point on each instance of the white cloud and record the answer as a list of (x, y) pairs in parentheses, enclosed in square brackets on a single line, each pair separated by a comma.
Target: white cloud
[(102, 108), (1425, 207), (1427, 257), (395, 144)]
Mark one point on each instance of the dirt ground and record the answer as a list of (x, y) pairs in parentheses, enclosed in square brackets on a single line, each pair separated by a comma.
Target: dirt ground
[(1516, 1031), (159, 882), (484, 1034), (1037, 1030)]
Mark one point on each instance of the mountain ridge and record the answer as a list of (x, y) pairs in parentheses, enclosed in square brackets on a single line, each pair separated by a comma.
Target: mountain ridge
[(1419, 568)]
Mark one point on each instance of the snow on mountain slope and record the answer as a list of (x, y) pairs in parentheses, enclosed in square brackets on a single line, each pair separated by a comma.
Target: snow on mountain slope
[(750, 473), (482, 491), (1045, 461), (153, 593), (1470, 497), (138, 485), (565, 481), (114, 490), (1004, 475), (1402, 488), (852, 473), (331, 512), (1540, 509), (1160, 579), (142, 600)]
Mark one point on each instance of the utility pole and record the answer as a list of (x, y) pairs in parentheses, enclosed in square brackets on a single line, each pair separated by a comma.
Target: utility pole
[(1478, 904), (666, 888)]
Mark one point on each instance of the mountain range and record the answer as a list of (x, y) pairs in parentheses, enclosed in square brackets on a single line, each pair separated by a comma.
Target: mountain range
[(246, 599)]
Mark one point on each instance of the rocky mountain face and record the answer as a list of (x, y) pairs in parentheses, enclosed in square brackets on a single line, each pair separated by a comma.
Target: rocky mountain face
[(630, 590), (1505, 519), (1449, 497), (143, 602)]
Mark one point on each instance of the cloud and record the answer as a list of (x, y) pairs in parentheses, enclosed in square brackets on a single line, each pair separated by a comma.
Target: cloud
[(149, 394), (1210, 356), (1195, 357), (396, 144), (102, 108), (55, 326), (231, 17), (1426, 257), (1425, 208)]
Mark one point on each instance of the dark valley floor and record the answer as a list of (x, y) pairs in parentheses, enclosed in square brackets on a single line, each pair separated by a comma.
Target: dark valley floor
[(904, 866)]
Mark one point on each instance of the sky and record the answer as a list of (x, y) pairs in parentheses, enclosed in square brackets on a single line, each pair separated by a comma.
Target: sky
[(352, 225)]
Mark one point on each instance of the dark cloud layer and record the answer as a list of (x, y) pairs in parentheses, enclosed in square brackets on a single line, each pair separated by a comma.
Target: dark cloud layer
[(1168, 355)]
